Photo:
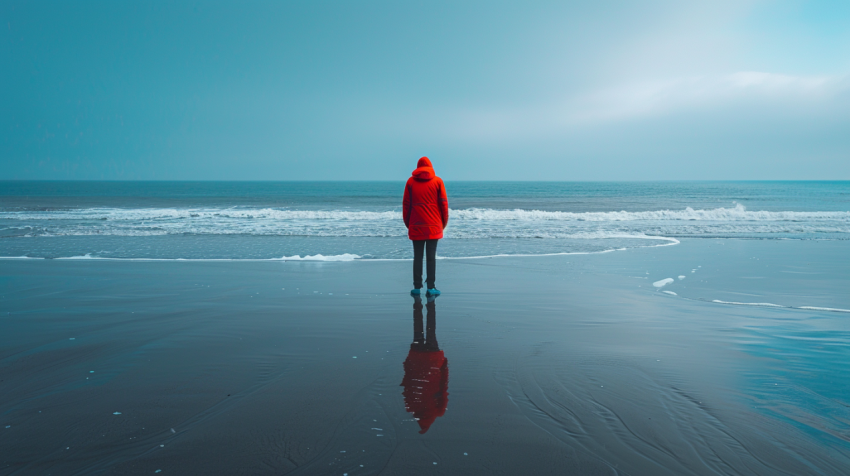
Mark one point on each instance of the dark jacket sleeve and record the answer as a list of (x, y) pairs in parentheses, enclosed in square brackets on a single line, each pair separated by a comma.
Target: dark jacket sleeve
[(443, 202), (405, 204)]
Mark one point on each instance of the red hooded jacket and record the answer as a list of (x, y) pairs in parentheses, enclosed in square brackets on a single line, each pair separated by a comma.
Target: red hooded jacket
[(426, 385), (425, 206)]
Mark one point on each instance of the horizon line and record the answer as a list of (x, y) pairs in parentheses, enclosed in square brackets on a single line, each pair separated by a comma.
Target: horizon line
[(405, 178)]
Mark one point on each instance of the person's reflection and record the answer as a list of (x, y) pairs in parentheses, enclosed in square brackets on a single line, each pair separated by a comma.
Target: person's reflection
[(426, 370)]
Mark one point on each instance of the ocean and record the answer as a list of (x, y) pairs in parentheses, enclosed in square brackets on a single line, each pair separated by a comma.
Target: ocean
[(341, 221), (267, 328)]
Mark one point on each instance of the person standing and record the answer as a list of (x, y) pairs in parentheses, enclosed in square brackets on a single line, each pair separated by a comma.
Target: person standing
[(426, 214), (426, 370)]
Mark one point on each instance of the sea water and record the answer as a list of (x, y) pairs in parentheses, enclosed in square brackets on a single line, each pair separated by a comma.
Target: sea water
[(342, 221), (715, 344)]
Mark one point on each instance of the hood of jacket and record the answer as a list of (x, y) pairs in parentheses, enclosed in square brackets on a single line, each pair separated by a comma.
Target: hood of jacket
[(424, 170)]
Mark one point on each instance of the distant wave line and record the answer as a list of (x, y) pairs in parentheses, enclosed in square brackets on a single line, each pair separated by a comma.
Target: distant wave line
[(738, 213), (779, 306), (344, 257)]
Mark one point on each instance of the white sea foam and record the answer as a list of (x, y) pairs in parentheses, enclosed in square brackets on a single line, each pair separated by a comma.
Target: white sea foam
[(136, 214), (471, 223), (578, 232), (343, 257), (662, 283), (763, 304), (767, 304), (670, 293), (831, 309), (681, 277), (85, 256), (318, 257), (738, 213)]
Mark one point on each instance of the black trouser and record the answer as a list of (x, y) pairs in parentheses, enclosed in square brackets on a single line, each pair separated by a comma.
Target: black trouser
[(430, 249), (422, 340)]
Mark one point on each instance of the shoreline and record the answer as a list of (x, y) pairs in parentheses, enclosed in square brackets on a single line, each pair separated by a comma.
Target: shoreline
[(348, 257)]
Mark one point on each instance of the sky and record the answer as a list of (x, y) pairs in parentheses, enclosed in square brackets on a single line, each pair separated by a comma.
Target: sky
[(489, 90)]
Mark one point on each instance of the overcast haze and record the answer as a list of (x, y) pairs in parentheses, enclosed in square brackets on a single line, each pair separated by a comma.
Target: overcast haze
[(360, 90)]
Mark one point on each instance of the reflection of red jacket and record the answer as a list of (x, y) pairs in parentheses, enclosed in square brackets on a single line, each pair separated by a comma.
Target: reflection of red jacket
[(426, 384), (425, 206)]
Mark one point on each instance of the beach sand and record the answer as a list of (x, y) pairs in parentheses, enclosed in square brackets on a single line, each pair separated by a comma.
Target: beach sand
[(570, 364)]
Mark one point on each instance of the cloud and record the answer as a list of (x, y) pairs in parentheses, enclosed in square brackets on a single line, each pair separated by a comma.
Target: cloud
[(759, 93), (699, 92)]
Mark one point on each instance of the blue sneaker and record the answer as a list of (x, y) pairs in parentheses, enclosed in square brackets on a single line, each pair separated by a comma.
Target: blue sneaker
[(414, 292), (433, 292)]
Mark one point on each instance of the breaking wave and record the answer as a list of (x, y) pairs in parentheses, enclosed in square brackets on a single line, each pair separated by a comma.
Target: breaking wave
[(737, 213), (473, 223)]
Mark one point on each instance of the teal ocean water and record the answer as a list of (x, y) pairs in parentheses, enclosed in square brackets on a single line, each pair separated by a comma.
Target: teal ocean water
[(362, 220), (714, 343)]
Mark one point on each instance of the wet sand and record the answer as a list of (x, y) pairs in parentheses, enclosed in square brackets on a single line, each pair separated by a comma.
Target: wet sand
[(553, 365)]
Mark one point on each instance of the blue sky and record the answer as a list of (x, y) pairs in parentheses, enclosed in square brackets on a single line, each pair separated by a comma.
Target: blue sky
[(489, 90)]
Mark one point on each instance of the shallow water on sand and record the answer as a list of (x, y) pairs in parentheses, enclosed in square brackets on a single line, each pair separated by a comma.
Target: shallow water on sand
[(550, 365)]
